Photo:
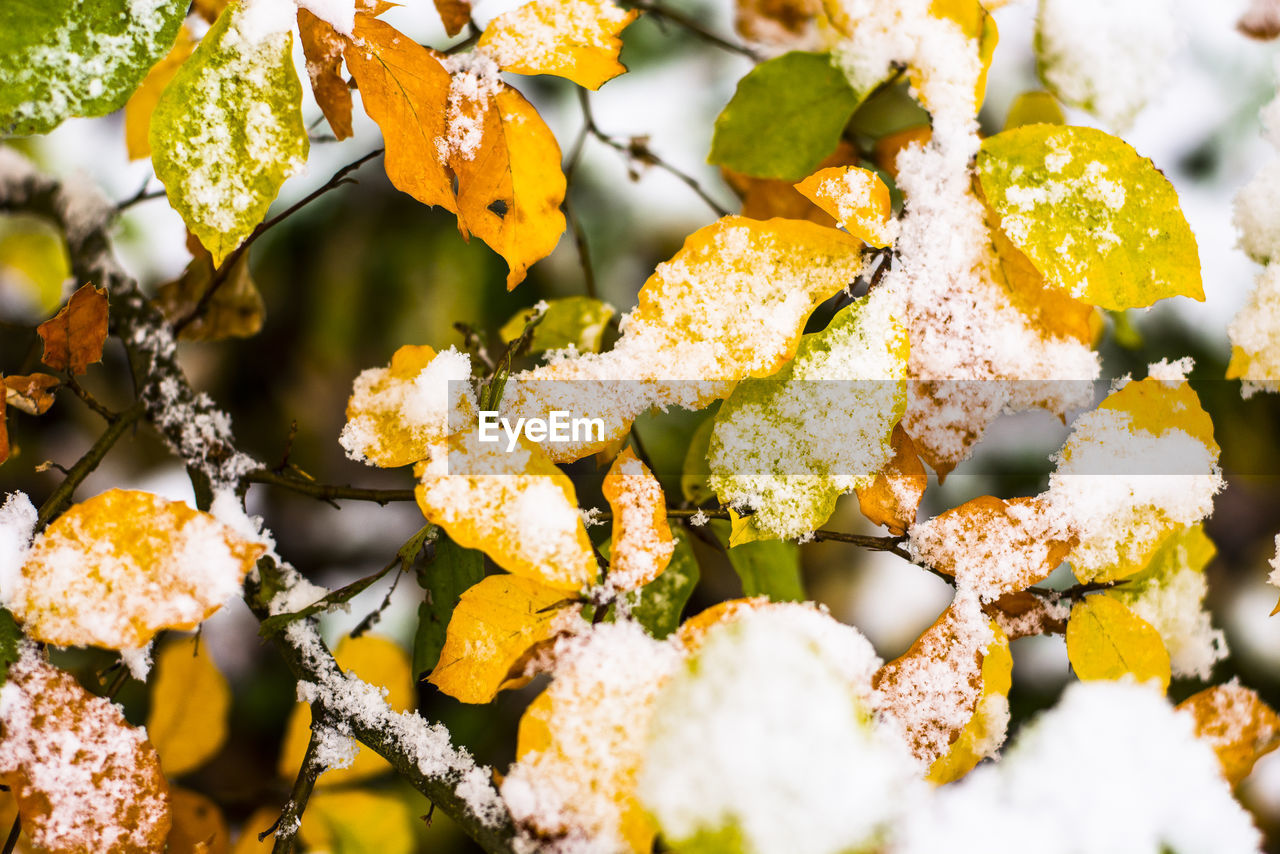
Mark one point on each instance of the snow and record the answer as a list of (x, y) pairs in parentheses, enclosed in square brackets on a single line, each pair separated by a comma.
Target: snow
[(91, 781), (17, 523), (138, 661), (473, 84), (642, 544), (1109, 58), (550, 29), (1171, 373), (766, 735), (261, 20), (339, 14), (1124, 769), (1174, 605)]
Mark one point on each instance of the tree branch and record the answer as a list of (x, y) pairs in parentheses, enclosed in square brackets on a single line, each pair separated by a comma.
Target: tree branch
[(61, 497), (327, 491), (687, 23), (286, 827)]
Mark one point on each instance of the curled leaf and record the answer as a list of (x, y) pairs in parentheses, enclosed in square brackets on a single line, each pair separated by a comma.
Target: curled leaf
[(892, 498), (856, 198), (33, 394), (985, 731), (642, 544), (323, 46)]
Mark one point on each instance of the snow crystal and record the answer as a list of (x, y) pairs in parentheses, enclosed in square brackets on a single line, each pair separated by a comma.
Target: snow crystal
[(554, 28), (763, 735), (138, 661), (1173, 373), (641, 549), (597, 711), (92, 781), (1109, 58), (339, 14), (1254, 332), (335, 746), (1174, 606), (17, 523), (474, 82), (260, 20), (699, 519), (1140, 781), (1257, 214)]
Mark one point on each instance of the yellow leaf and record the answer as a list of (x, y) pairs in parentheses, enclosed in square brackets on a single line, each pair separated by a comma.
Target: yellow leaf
[(1098, 220), (1159, 407), (510, 189), (1239, 726), (580, 743), (84, 779), (977, 24), (397, 414), (114, 570), (137, 112), (1034, 108), (857, 198), (517, 507), (696, 330), (198, 825), (248, 842), (405, 89), (893, 497), (1105, 640), (190, 700), (575, 39), (323, 46), (642, 544), (985, 731), (359, 822), (494, 626), (379, 662)]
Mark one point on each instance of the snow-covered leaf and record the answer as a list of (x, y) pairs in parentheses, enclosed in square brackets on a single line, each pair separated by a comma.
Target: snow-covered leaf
[(642, 544), (575, 39)]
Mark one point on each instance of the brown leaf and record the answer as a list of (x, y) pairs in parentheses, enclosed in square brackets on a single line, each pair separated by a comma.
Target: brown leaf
[(84, 779), (323, 45), (1024, 614), (777, 22), (894, 496), (31, 393), (73, 338), (1261, 20), (235, 310), (454, 14), (1238, 725)]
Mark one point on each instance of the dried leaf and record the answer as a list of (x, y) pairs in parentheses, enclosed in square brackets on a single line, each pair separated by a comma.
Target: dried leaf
[(777, 22), (198, 825), (894, 496), (1106, 640), (642, 544), (495, 625), (454, 14), (517, 507), (84, 779), (73, 338), (235, 310), (32, 393), (379, 662), (323, 47), (114, 570), (574, 39), (858, 200), (190, 700), (1239, 726), (137, 113)]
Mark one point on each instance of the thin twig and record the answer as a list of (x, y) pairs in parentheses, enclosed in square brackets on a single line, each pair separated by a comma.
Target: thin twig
[(286, 829), (685, 22), (327, 491), (228, 264), (14, 832), (584, 251), (89, 400), (62, 495)]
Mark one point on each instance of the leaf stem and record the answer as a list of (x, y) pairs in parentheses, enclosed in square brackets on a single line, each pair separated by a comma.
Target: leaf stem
[(61, 497)]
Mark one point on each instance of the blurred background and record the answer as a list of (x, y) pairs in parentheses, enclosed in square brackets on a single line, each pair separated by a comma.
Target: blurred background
[(367, 269)]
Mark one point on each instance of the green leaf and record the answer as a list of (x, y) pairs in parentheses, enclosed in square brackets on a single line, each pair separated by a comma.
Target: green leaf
[(694, 478), (1095, 218), (573, 321), (228, 131), (786, 116), (62, 58), (659, 604), (443, 581), (776, 450), (10, 638), (1034, 108), (766, 568)]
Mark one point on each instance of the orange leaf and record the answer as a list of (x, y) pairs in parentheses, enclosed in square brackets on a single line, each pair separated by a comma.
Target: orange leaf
[(493, 629), (894, 496), (114, 570), (642, 544), (198, 825), (73, 339), (764, 198), (857, 198), (30, 393), (1239, 726), (84, 779), (454, 14), (4, 438), (405, 89), (574, 39), (323, 45)]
